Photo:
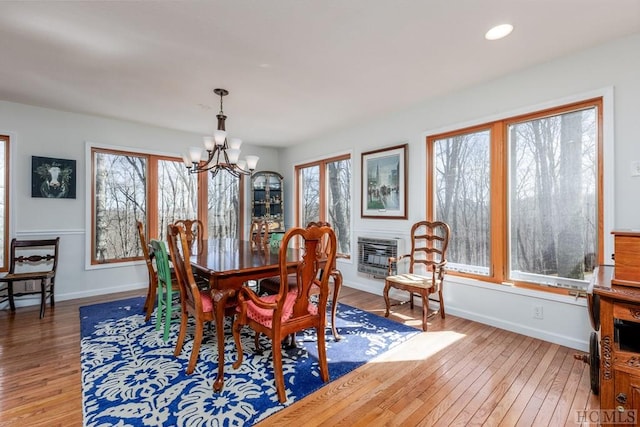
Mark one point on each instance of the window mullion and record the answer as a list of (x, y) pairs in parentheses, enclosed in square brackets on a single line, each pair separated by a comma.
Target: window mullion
[(323, 191), (499, 205), (203, 214), (152, 197)]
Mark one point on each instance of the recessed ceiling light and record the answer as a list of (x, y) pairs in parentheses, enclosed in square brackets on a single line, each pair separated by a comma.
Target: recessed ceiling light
[(498, 32)]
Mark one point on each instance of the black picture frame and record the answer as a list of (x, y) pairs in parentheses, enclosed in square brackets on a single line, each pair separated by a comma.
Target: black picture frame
[(53, 178)]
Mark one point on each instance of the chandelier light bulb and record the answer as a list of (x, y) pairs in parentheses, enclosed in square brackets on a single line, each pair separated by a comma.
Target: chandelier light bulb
[(219, 136), (252, 162), (195, 153), (233, 154), (186, 159), (235, 143), (208, 143)]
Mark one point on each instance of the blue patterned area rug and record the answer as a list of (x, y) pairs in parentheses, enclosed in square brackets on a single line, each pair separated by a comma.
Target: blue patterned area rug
[(131, 378)]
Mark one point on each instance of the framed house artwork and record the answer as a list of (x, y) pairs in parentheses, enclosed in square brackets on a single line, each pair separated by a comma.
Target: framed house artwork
[(384, 183), (53, 178)]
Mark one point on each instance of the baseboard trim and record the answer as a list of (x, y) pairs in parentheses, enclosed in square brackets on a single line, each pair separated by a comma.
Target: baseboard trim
[(30, 300), (520, 329)]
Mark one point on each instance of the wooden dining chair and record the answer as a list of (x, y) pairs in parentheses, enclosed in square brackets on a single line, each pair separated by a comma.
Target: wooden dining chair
[(424, 265), (194, 301), (291, 310), (35, 260), (194, 232), (165, 288), (150, 300), (271, 285), (259, 234)]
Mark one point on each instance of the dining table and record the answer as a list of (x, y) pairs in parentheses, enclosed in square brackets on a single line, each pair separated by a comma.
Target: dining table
[(228, 264)]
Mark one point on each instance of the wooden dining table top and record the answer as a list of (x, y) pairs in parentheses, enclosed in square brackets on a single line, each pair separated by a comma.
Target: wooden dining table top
[(226, 258)]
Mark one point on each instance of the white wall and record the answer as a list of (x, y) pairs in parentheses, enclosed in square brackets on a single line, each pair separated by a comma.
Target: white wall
[(49, 133), (611, 70)]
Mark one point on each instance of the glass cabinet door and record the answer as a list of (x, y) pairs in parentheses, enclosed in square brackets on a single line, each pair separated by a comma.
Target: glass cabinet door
[(267, 199)]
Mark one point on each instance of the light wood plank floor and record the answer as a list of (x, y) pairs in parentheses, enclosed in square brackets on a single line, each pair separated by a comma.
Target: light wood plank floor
[(458, 373)]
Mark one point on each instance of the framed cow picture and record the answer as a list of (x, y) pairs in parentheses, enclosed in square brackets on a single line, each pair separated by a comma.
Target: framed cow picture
[(53, 178)]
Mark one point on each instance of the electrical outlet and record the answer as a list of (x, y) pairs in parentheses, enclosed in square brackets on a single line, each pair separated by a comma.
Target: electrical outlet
[(635, 168), (29, 286), (537, 312)]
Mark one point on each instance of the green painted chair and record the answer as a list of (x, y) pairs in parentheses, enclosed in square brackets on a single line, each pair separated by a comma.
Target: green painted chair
[(165, 288)]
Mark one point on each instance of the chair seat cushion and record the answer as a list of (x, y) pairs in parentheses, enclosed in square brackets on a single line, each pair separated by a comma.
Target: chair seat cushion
[(207, 303), (414, 280), (264, 316)]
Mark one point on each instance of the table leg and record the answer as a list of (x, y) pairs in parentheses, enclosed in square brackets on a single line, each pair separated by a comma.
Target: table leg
[(337, 284), (220, 298)]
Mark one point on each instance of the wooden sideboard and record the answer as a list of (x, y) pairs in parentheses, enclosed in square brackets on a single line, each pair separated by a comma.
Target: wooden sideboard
[(619, 315)]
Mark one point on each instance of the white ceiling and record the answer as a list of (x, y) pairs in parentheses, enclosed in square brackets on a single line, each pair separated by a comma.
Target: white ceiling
[(295, 69)]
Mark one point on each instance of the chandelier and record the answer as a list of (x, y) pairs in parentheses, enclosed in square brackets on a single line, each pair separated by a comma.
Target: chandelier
[(222, 153)]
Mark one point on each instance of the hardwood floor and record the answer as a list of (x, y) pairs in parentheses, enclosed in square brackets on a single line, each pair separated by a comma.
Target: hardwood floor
[(459, 373)]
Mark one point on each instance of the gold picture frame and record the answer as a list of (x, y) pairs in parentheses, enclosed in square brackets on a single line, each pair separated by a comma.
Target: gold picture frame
[(384, 183)]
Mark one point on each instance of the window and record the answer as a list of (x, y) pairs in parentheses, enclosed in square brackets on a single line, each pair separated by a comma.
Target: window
[(324, 194), (125, 183), (523, 196), (553, 197), (310, 191), (120, 195), (4, 201), (462, 198), (223, 205)]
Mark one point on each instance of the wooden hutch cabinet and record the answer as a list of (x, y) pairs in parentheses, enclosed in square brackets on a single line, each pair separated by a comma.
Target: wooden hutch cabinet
[(267, 199), (617, 291)]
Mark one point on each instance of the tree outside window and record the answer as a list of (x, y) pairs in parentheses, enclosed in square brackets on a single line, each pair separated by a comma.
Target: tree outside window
[(120, 199), (463, 199), (223, 205), (177, 195), (553, 197)]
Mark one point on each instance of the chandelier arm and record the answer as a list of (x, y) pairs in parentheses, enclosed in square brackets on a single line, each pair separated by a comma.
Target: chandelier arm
[(214, 172), (210, 155), (217, 153), (226, 158)]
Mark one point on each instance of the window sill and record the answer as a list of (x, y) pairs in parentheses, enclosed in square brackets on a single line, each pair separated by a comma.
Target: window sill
[(542, 293)]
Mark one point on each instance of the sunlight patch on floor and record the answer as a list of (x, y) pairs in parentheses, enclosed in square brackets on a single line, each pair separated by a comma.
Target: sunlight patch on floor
[(405, 318), (420, 347)]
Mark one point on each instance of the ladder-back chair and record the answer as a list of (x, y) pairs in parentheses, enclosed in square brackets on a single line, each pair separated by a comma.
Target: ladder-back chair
[(425, 269)]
